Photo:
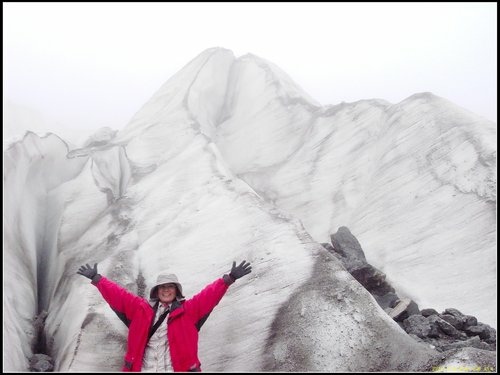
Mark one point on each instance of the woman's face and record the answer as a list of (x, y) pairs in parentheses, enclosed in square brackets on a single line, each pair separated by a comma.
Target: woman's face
[(167, 292)]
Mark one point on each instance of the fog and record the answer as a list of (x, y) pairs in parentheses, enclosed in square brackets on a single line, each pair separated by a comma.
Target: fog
[(89, 65)]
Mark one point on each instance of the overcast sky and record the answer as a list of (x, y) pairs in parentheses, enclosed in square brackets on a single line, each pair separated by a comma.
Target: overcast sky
[(95, 64)]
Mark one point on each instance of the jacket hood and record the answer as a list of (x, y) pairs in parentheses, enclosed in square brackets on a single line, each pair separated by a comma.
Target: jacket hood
[(164, 278)]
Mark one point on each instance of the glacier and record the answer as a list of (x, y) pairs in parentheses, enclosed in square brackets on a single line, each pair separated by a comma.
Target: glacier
[(231, 160)]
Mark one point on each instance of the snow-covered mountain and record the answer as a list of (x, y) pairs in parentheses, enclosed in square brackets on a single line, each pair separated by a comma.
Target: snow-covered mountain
[(415, 182), (230, 160)]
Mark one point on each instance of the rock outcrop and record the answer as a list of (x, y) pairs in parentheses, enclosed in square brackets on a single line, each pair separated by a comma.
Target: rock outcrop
[(444, 331)]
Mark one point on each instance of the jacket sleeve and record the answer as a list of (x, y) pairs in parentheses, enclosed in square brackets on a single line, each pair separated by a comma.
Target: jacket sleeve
[(119, 298), (204, 302)]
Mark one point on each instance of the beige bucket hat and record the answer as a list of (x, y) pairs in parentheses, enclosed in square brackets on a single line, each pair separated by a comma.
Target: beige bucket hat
[(165, 278)]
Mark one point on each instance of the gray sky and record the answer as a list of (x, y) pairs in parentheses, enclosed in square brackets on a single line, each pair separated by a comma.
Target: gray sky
[(95, 64)]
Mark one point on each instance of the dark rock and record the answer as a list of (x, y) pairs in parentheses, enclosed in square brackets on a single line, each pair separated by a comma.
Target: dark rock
[(387, 300), (469, 321), (429, 312), (372, 279), (482, 330), (453, 312), (447, 328), (420, 326), (458, 323), (345, 244), (493, 335), (404, 309)]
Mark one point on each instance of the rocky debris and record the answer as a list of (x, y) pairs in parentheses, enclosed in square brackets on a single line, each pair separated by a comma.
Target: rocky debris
[(449, 330), (347, 249), (41, 363)]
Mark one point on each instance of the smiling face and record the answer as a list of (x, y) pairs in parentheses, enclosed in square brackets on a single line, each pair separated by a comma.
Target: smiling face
[(167, 292)]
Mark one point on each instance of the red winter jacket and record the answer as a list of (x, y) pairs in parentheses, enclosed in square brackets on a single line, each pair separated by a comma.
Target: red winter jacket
[(182, 322)]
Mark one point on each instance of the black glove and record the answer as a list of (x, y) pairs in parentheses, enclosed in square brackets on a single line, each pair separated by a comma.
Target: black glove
[(243, 269), (88, 271)]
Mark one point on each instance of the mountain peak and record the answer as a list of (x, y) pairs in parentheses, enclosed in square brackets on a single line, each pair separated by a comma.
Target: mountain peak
[(424, 95), (215, 50)]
